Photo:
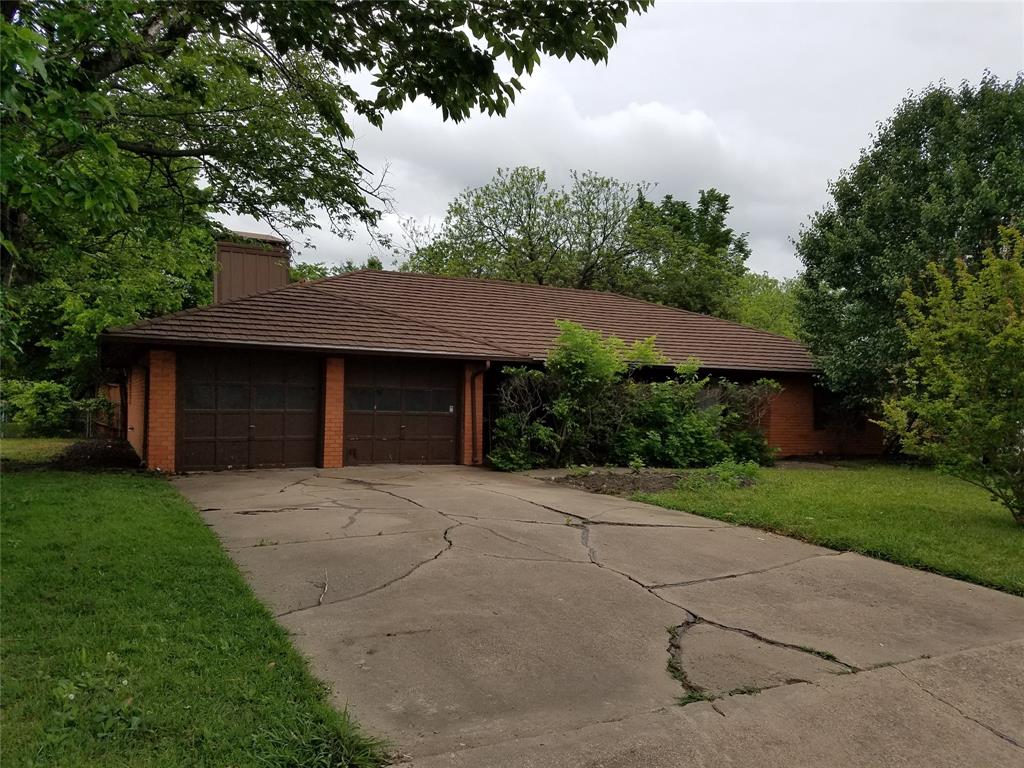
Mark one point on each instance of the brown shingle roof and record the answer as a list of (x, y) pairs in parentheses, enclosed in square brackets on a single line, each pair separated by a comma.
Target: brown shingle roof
[(375, 311)]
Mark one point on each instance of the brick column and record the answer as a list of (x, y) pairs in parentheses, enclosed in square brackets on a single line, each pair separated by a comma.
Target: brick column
[(334, 413), (472, 403), (162, 408)]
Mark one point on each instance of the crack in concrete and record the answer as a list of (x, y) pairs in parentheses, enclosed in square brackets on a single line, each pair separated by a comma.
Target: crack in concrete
[(515, 541), (994, 731), (448, 545), (329, 538), (595, 521), (446, 535), (693, 692), (724, 577)]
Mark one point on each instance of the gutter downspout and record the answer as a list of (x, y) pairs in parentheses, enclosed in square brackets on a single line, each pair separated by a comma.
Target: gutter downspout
[(472, 405)]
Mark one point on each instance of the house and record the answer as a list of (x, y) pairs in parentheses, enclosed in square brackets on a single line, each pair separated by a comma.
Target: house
[(376, 366)]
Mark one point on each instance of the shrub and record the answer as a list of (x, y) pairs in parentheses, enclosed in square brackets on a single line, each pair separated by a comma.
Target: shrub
[(585, 407), (962, 405), (41, 408)]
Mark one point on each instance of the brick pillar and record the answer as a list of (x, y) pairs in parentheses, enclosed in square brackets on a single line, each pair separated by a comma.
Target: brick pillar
[(472, 403), (162, 408), (334, 413)]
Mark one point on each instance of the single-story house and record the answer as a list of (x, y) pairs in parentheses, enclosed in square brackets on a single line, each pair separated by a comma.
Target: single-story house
[(377, 366)]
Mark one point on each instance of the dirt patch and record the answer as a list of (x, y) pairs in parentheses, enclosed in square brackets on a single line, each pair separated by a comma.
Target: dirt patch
[(97, 454), (622, 482)]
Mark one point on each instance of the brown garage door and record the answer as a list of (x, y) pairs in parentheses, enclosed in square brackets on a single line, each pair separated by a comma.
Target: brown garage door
[(401, 410), (248, 409)]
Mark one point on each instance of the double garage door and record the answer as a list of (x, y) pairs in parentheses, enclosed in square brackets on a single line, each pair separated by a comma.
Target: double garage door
[(238, 410), (261, 409)]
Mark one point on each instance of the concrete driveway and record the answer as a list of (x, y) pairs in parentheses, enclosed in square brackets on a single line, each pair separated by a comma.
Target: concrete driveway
[(483, 619)]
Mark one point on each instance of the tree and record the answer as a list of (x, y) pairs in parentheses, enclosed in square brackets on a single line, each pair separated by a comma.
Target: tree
[(304, 271), (962, 403), (594, 233), (695, 260), (516, 227), (132, 121), (768, 303), (938, 180)]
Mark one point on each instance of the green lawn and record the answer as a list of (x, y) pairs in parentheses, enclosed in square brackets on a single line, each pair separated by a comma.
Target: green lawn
[(32, 450), (130, 639), (908, 515)]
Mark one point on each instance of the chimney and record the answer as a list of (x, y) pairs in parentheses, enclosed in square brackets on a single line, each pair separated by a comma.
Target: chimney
[(249, 263)]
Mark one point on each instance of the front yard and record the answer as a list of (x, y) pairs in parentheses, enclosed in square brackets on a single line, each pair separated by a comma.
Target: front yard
[(908, 515), (130, 639)]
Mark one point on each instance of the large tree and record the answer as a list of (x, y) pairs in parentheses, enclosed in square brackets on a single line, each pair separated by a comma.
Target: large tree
[(128, 123), (938, 180), (695, 259), (518, 227), (594, 233)]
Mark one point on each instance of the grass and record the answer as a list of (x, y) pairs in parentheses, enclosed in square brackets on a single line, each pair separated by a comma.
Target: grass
[(908, 515), (32, 450), (130, 639)]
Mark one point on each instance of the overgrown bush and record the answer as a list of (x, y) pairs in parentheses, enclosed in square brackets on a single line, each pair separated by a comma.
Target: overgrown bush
[(962, 404), (40, 408), (587, 406)]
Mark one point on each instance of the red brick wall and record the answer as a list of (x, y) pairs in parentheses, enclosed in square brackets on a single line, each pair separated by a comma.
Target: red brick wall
[(136, 415), (162, 410), (790, 426), (334, 412), (471, 403)]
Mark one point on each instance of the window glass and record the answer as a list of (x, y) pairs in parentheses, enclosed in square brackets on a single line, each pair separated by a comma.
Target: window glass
[(359, 399), (269, 397), (389, 399), (443, 401), (301, 398), (233, 397), (199, 396), (417, 400)]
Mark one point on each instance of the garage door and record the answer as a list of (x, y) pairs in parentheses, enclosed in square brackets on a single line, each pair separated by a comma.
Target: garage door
[(401, 410), (239, 410)]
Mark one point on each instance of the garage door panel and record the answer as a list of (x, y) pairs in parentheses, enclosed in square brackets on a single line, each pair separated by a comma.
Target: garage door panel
[(268, 425), (268, 453), (441, 450), (405, 408), (232, 454), (302, 425), (358, 451), (358, 425), (442, 426), (248, 410), (232, 426), (388, 426), (199, 454), (415, 451), (385, 451), (301, 398)]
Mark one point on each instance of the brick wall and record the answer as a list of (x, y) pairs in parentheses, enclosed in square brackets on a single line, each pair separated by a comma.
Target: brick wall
[(790, 426), (136, 415), (162, 411), (471, 403), (334, 412)]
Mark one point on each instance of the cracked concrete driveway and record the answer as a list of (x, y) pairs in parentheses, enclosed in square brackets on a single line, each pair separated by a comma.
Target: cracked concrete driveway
[(482, 619)]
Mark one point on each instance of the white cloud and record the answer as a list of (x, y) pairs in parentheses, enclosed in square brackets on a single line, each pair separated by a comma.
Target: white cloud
[(764, 102)]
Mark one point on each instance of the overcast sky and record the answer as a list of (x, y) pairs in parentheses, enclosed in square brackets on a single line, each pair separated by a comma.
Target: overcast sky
[(764, 101)]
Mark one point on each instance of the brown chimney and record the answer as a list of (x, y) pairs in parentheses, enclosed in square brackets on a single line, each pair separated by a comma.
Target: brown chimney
[(249, 263)]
